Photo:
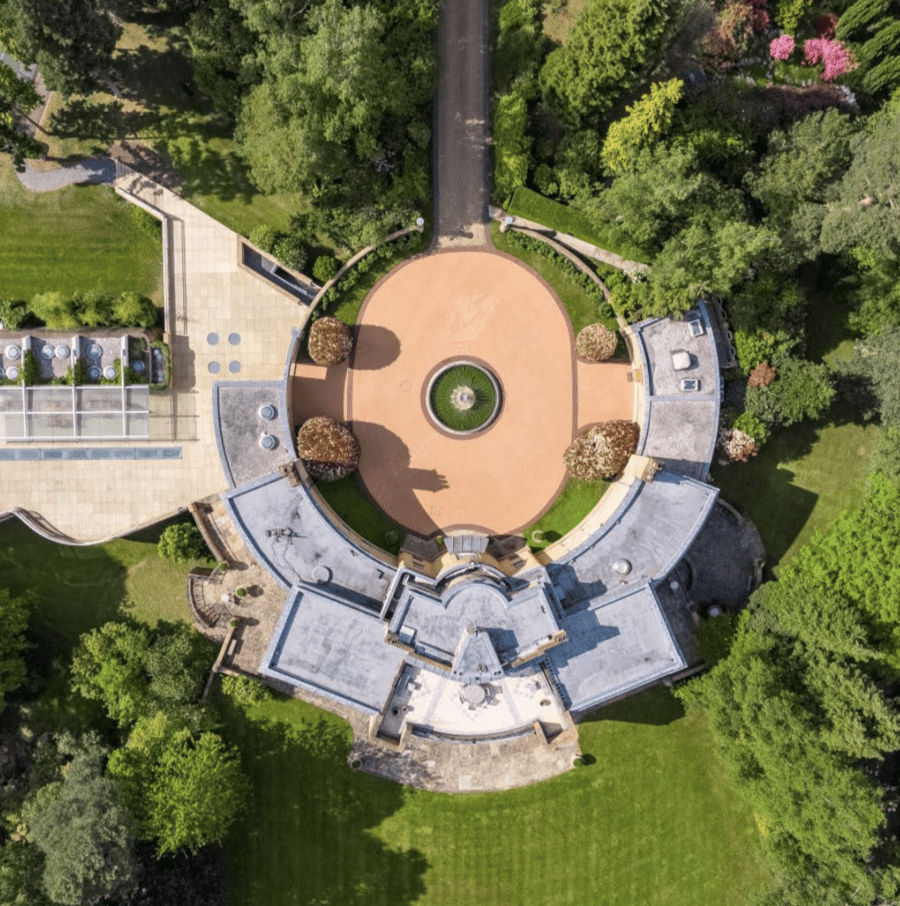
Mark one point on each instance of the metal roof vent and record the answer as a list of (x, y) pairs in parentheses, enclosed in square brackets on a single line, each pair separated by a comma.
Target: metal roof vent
[(622, 567), (267, 441)]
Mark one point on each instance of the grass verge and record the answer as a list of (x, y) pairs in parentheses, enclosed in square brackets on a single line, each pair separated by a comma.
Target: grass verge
[(575, 501), (354, 506), (580, 307), (346, 297), (72, 240), (564, 219), (800, 481), (653, 822)]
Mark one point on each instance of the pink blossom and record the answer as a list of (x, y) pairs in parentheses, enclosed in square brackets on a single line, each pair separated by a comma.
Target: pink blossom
[(781, 48), (833, 54)]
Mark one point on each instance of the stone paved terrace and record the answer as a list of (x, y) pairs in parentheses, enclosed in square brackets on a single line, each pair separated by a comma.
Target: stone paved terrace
[(251, 321)]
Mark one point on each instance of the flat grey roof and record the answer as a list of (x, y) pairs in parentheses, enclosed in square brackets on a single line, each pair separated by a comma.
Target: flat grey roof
[(332, 648), (239, 426), (651, 530), (514, 624), (680, 426), (662, 337), (681, 435), (292, 538), (613, 648)]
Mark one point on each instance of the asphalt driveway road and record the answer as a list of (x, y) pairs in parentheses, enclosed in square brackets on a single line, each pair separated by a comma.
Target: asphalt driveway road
[(461, 126)]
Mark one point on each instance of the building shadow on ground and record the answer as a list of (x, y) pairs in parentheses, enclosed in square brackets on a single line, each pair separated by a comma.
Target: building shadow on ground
[(656, 706), (385, 473)]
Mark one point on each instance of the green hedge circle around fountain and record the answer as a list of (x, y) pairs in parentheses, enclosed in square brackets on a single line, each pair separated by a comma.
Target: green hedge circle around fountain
[(463, 398)]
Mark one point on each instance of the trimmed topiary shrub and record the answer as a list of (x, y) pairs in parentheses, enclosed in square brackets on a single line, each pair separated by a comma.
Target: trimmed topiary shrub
[(328, 449), (596, 343), (329, 341), (602, 451), (325, 268)]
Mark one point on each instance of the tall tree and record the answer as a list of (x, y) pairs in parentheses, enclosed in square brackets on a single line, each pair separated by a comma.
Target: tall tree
[(800, 172), (800, 703), (18, 98), (612, 48), (866, 211), (14, 619), (186, 790), (876, 358), (72, 41), (86, 836)]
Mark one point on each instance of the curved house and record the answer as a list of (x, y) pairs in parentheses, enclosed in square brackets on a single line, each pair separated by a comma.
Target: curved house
[(486, 642)]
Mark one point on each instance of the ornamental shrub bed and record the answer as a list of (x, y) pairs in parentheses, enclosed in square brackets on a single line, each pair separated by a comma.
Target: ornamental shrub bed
[(596, 343)]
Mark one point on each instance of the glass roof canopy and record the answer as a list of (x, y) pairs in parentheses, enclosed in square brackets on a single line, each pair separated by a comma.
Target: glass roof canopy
[(74, 413)]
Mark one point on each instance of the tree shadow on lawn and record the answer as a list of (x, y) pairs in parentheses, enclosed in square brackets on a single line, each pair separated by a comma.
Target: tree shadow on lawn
[(764, 489), (206, 171), (305, 834), (160, 78)]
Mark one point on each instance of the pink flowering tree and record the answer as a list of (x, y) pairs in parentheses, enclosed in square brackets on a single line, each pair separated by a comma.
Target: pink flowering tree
[(781, 48), (833, 54)]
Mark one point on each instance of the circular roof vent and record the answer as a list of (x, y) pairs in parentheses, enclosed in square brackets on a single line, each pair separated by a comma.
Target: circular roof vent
[(109, 372), (674, 585), (267, 441), (62, 351), (622, 567), (267, 412), (12, 352)]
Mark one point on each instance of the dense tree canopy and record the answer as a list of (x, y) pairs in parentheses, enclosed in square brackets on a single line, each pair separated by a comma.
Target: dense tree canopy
[(72, 41), (800, 702), (866, 210), (341, 117), (134, 671), (611, 49), (14, 620), (186, 790), (85, 835)]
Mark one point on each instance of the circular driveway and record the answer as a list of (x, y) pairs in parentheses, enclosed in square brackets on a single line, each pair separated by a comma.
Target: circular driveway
[(483, 307)]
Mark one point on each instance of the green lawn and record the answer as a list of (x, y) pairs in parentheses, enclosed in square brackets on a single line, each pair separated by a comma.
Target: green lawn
[(564, 219), (356, 508), (577, 499), (78, 588), (806, 475), (653, 822), (72, 240), (802, 479)]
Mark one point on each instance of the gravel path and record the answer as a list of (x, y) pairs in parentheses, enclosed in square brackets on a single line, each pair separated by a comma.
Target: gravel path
[(91, 170)]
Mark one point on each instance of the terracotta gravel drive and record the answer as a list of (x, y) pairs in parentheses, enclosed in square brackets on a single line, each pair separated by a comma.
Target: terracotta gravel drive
[(468, 304)]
